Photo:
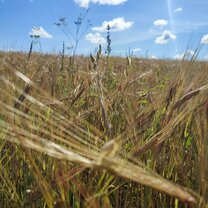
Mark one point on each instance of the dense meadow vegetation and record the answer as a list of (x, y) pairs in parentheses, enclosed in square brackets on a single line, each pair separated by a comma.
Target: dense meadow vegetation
[(102, 131)]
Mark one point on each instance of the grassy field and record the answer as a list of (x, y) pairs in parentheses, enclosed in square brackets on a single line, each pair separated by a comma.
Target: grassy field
[(102, 133)]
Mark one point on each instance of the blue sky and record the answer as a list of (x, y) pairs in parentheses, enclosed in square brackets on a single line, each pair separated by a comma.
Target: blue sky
[(158, 28)]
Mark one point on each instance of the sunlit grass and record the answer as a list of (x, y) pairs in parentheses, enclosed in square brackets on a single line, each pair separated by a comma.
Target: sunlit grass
[(122, 134)]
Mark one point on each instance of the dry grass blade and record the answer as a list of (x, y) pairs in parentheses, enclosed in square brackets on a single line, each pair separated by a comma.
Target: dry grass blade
[(41, 181), (121, 168), (188, 96), (65, 145), (165, 133)]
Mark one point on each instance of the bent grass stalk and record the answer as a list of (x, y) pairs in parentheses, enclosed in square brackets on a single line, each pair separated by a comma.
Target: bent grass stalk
[(57, 130)]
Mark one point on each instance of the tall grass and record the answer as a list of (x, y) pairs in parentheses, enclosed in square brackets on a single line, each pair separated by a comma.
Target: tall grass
[(98, 136)]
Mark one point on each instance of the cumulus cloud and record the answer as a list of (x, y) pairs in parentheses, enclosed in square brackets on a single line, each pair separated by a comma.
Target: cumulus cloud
[(39, 32), (165, 37), (185, 55), (204, 39), (152, 57), (136, 49), (179, 9), (160, 22), (85, 3), (117, 24), (95, 38), (10, 50), (82, 3)]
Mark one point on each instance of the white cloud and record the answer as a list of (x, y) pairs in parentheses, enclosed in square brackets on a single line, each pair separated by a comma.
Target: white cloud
[(165, 37), (40, 32), (206, 57), (117, 24), (160, 22), (185, 55), (110, 2), (82, 3), (204, 39), (95, 38), (136, 49), (10, 50), (85, 3), (153, 57), (179, 9)]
